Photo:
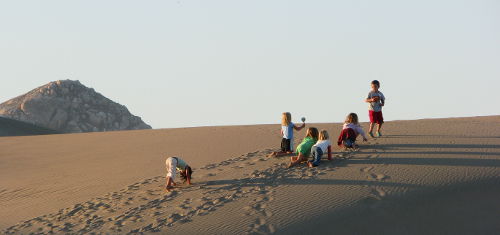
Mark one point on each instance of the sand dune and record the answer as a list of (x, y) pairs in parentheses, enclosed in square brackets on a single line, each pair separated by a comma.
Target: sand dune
[(438, 176)]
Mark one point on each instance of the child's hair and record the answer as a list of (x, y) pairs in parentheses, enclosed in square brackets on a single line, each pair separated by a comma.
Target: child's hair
[(376, 82), (323, 135), (286, 118), (312, 132), (189, 172), (352, 118)]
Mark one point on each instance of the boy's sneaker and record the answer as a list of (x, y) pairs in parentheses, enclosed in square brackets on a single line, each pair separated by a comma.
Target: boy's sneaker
[(371, 134), (379, 134)]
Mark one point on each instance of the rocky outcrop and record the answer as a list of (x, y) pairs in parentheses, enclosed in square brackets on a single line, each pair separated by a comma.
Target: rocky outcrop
[(68, 106)]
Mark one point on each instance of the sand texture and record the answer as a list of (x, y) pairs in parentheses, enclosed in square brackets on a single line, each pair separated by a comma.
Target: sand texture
[(436, 176)]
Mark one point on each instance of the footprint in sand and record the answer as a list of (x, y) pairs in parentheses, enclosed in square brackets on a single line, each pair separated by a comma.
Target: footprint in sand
[(343, 154), (208, 167), (260, 226), (379, 192), (366, 169), (378, 176), (133, 187), (371, 176), (260, 159), (174, 217), (381, 176), (373, 156)]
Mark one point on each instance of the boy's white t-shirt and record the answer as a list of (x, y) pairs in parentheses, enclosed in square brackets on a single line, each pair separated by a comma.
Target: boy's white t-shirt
[(323, 145)]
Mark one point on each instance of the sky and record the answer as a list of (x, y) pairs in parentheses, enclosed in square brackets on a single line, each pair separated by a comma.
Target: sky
[(188, 63)]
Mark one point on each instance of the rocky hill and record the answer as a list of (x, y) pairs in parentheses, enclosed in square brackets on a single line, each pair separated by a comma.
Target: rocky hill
[(69, 107)]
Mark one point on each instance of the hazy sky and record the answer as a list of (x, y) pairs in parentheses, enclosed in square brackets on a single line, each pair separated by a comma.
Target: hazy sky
[(208, 62)]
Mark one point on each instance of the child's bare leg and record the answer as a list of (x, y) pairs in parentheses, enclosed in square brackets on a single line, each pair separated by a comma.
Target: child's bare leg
[(379, 126), (371, 127), (169, 183), (280, 154), (296, 160)]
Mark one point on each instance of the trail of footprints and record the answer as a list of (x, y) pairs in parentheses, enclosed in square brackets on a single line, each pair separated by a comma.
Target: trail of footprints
[(146, 206), (378, 192)]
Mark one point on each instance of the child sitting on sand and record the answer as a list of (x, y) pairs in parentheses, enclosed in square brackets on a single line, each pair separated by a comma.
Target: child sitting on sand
[(174, 164), (287, 127), (350, 132), (323, 145), (304, 148)]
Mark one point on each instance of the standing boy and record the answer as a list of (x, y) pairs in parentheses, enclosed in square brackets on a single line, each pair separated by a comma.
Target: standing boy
[(376, 100)]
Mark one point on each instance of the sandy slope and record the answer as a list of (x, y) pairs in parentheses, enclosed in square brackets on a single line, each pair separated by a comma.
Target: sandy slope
[(427, 176)]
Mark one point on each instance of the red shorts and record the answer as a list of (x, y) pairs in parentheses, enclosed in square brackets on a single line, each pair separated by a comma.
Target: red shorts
[(376, 117)]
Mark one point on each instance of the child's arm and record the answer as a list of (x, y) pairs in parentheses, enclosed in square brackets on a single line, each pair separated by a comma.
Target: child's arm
[(329, 152), (374, 99), (281, 131), (368, 99), (362, 132), (188, 177), (298, 128)]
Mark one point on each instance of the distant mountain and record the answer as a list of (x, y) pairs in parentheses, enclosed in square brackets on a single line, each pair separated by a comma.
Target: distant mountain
[(11, 127), (67, 106)]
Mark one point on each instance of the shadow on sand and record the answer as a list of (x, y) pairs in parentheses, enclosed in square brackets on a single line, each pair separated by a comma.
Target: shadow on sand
[(441, 136)]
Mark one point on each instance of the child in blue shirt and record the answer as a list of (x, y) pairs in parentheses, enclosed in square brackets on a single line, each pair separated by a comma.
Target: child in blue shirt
[(287, 127)]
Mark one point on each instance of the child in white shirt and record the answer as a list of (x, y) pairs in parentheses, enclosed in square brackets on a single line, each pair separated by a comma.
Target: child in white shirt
[(322, 146)]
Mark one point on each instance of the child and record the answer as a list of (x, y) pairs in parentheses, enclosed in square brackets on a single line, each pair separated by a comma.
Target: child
[(287, 127), (174, 164), (350, 132), (376, 100), (319, 148), (304, 148)]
